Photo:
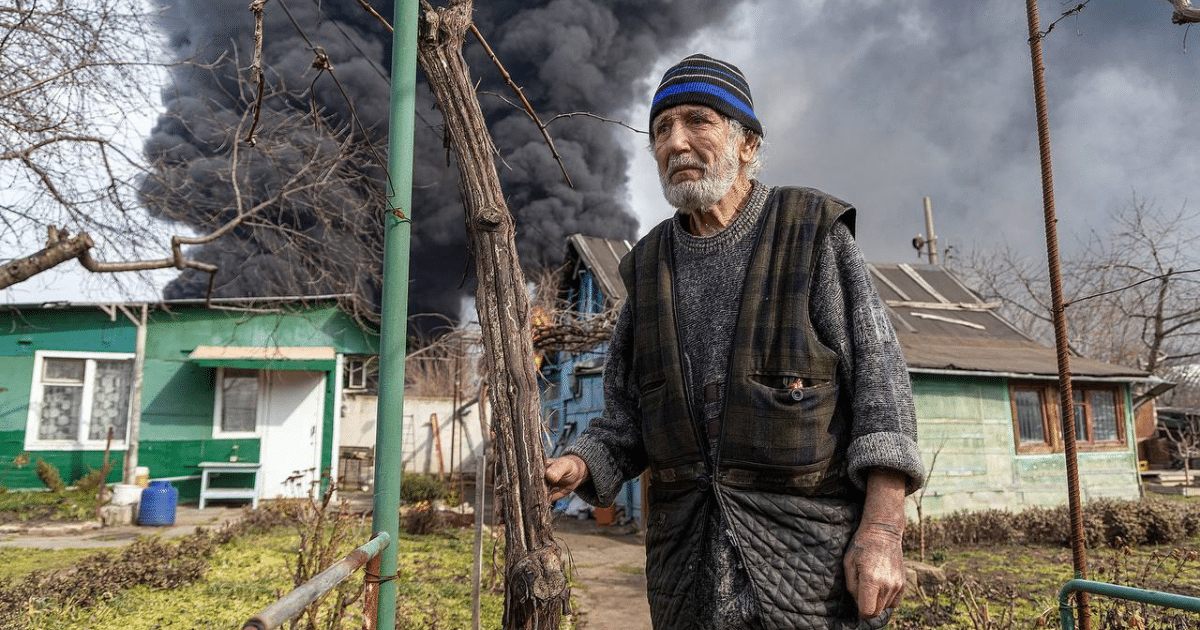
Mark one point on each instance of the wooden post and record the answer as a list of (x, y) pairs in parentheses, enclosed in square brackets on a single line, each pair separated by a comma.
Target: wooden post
[(437, 445), (535, 581)]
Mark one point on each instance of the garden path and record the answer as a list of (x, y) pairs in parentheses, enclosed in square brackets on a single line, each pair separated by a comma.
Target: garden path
[(609, 568)]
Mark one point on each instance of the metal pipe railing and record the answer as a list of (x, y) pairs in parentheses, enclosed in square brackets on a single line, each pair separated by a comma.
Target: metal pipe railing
[(302, 596), (1156, 598)]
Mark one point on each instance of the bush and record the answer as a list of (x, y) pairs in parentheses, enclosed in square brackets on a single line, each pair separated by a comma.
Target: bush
[(48, 474), (425, 488), (1106, 522), (92, 481)]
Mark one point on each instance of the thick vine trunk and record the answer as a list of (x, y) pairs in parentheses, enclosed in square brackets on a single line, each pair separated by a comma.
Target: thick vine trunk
[(535, 582), (60, 247)]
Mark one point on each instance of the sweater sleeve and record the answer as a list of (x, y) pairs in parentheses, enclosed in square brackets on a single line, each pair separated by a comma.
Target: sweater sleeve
[(850, 318), (611, 446)]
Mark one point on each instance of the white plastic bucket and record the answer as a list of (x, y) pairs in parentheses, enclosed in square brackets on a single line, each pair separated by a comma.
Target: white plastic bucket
[(126, 494)]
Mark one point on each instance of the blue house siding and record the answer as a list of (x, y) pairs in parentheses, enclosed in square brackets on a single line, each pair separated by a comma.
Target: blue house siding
[(573, 393)]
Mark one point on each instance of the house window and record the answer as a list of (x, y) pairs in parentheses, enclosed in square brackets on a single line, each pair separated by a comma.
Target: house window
[(76, 398), (1034, 431), (1099, 420), (1096, 416), (236, 409), (356, 374)]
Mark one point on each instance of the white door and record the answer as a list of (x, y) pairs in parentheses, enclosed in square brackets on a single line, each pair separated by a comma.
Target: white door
[(292, 409)]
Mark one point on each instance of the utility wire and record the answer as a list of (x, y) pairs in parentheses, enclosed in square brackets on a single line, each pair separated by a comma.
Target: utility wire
[(1130, 286)]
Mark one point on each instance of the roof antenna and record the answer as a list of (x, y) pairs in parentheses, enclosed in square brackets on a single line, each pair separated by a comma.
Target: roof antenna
[(920, 242)]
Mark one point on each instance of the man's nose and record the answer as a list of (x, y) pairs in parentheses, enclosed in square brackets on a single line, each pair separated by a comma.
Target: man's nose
[(674, 139)]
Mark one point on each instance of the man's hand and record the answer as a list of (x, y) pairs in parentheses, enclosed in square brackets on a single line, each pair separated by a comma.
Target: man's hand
[(874, 562), (564, 474)]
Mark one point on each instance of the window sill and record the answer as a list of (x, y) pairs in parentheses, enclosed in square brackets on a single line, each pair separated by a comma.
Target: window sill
[(73, 446)]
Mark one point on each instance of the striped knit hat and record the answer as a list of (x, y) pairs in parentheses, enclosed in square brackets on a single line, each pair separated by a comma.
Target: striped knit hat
[(702, 80)]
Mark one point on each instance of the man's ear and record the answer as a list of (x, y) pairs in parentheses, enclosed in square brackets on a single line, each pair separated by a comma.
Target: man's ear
[(749, 147)]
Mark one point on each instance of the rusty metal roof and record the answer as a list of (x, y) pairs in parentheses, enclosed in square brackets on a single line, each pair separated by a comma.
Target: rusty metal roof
[(941, 324), (603, 257)]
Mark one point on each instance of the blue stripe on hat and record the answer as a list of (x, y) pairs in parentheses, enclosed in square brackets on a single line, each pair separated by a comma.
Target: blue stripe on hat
[(706, 88), (737, 80)]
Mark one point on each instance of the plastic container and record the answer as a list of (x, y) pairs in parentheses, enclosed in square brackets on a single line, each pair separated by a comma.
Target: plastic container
[(605, 516), (141, 476), (158, 504), (126, 494)]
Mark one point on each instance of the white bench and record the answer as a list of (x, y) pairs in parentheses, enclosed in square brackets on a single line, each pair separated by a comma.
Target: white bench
[(207, 469)]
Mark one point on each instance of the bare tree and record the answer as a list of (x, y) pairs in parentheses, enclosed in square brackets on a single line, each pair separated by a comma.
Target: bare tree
[(71, 74), (295, 212), (1130, 292)]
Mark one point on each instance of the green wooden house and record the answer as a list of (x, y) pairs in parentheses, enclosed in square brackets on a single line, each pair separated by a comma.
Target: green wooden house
[(987, 402), (174, 385), (986, 394)]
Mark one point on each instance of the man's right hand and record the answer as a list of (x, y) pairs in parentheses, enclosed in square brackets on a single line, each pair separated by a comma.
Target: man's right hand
[(564, 474)]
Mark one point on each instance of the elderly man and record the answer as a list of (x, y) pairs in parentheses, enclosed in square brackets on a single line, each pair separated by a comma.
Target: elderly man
[(753, 371)]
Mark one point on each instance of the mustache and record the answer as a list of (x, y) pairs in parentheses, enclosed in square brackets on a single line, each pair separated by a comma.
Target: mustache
[(682, 160)]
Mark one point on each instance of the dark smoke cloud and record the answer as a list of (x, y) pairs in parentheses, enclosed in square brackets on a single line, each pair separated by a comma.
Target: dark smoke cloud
[(567, 55)]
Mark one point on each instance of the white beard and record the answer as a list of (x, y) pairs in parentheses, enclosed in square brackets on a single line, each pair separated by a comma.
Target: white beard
[(715, 180)]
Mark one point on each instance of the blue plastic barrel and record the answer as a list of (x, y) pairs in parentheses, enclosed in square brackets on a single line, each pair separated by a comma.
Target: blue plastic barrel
[(158, 504)]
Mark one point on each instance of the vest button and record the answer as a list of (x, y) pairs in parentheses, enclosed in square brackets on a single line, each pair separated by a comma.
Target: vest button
[(703, 483), (797, 395)]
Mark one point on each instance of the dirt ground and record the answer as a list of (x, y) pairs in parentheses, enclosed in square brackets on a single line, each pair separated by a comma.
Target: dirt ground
[(608, 566)]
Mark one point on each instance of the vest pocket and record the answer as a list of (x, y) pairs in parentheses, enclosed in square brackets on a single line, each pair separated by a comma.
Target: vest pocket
[(781, 420), (667, 433)]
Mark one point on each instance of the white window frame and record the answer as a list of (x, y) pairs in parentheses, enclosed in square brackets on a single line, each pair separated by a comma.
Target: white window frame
[(37, 390), (219, 406), (356, 366)]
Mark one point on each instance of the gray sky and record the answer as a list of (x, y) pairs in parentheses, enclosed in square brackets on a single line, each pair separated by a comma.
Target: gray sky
[(882, 103)]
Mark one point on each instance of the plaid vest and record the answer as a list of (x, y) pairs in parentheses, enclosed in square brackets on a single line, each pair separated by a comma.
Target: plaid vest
[(780, 428)]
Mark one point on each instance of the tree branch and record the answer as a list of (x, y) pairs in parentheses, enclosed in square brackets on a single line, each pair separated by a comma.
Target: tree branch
[(1184, 13)]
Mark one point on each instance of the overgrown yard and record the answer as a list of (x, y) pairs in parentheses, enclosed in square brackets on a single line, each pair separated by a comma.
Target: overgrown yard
[(1003, 571), (217, 581), (1016, 586)]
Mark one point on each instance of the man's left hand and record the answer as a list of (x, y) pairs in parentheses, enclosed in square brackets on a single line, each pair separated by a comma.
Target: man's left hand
[(874, 562), (875, 568)]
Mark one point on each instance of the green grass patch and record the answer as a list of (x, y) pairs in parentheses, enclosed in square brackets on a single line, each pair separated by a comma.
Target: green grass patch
[(252, 571), (16, 562), (33, 506), (434, 582), (244, 576)]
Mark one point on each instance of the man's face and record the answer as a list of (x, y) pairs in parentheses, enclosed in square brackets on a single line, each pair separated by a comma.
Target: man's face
[(698, 156)]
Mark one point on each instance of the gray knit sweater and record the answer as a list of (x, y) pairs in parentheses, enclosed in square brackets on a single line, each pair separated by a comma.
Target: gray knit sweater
[(848, 317)]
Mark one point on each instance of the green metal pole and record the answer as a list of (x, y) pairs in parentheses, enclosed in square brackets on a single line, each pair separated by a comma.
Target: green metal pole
[(389, 430), (1117, 591)]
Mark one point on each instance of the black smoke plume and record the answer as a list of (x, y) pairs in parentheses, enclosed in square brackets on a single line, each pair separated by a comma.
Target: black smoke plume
[(327, 138)]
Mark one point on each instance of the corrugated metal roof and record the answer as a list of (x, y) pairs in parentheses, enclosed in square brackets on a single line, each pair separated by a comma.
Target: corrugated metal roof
[(941, 324), (603, 257)]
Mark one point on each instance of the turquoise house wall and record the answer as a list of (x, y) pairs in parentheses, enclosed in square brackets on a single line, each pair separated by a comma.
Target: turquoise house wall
[(177, 395), (968, 424), (23, 334)]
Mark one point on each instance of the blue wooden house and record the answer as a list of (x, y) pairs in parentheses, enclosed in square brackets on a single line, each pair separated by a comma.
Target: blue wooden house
[(573, 389)]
